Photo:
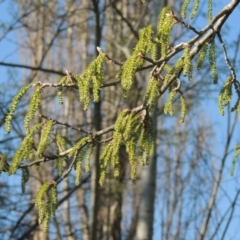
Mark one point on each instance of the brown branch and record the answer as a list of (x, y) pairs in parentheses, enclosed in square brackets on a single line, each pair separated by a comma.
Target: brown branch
[(65, 124), (126, 21), (186, 25), (33, 68)]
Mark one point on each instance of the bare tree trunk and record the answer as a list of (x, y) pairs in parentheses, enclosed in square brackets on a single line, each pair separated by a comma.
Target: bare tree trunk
[(144, 230), (145, 224), (97, 125)]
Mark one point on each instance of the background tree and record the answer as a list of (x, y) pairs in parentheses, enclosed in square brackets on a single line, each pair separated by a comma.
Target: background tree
[(64, 35)]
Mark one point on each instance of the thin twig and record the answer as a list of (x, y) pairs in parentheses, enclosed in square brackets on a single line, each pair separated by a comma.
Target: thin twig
[(186, 25), (65, 124), (226, 57)]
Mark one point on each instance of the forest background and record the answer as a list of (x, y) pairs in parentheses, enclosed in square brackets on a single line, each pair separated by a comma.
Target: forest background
[(186, 192)]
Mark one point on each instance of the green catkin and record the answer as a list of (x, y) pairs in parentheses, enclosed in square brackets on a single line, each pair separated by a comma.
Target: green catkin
[(168, 109), (45, 221), (96, 87), (212, 61), (195, 8), (39, 198), (187, 63), (237, 153), (136, 61), (53, 200), (154, 52), (44, 143), (202, 56), (25, 178), (104, 159), (61, 147), (129, 129), (132, 122), (183, 107), (13, 106), (175, 71), (209, 10), (87, 160), (24, 149), (115, 161), (79, 144), (46, 208), (225, 95), (152, 93), (33, 107), (130, 147), (91, 77), (78, 165), (146, 142), (164, 28), (121, 121), (184, 8), (59, 95), (167, 68), (116, 142)]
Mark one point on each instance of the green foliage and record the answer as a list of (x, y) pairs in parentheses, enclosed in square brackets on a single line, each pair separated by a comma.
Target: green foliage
[(187, 63), (209, 10), (152, 94), (33, 107), (136, 61), (225, 95), (25, 149), (184, 8), (237, 153), (59, 95), (195, 8), (25, 178), (168, 109), (44, 142), (202, 56), (92, 77), (212, 61), (47, 205), (13, 106), (165, 23)]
